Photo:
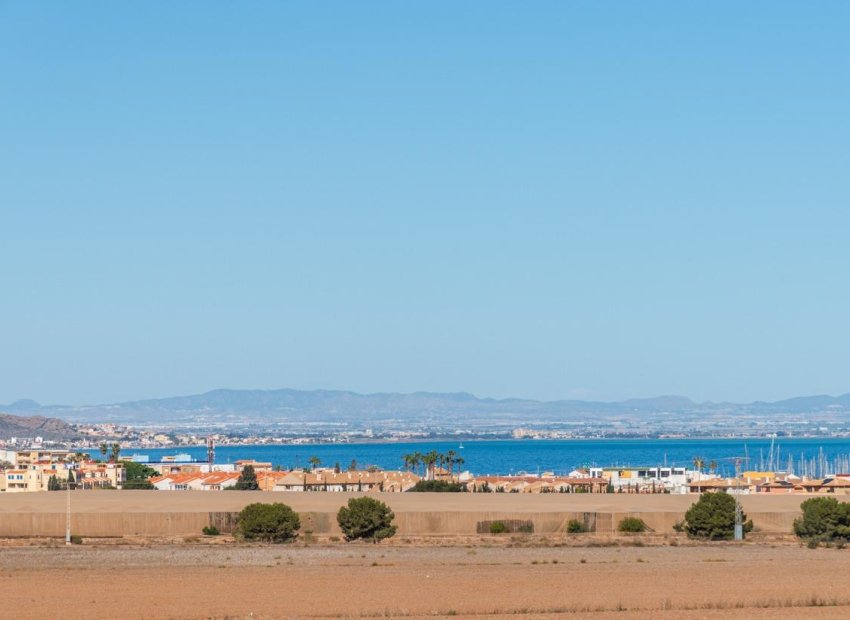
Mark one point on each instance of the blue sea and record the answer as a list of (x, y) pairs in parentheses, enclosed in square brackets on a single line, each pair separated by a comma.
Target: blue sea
[(534, 456)]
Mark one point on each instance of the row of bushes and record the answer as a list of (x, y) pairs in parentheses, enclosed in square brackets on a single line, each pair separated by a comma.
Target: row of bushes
[(712, 517), (363, 518)]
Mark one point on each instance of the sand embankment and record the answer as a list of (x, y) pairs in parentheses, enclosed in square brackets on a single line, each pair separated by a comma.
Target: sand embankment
[(160, 513)]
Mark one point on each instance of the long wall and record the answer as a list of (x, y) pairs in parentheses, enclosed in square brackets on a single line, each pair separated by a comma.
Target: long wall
[(160, 513)]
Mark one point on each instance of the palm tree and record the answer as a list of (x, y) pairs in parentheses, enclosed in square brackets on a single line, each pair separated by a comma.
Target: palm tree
[(441, 461), (430, 460), (450, 459), (419, 461), (315, 461), (712, 466), (104, 449), (459, 461), (409, 461), (115, 452), (699, 463)]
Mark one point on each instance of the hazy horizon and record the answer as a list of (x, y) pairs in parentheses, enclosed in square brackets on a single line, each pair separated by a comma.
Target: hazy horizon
[(550, 201), (368, 393)]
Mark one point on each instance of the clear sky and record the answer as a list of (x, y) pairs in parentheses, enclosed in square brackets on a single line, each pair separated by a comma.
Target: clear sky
[(594, 200)]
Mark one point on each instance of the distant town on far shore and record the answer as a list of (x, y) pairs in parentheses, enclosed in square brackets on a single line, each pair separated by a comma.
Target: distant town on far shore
[(285, 416)]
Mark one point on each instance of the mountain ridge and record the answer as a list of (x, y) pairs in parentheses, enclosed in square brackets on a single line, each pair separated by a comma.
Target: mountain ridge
[(346, 406)]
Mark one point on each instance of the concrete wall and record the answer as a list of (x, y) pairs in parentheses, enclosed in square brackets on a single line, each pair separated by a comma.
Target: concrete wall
[(409, 523), (181, 513)]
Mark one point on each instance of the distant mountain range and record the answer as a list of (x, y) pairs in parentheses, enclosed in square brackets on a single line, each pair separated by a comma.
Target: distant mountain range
[(285, 405)]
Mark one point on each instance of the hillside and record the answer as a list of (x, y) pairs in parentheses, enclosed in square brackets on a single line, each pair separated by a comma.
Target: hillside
[(35, 426)]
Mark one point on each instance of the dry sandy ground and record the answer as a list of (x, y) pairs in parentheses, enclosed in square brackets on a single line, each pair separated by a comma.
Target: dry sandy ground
[(353, 581)]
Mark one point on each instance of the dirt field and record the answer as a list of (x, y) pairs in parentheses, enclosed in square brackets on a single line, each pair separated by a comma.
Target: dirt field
[(94, 582)]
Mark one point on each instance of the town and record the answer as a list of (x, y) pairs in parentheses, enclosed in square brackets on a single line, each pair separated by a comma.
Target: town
[(36, 470)]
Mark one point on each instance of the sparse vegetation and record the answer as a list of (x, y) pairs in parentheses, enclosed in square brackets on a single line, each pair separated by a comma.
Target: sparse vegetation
[(633, 525), (210, 530), (574, 526), (497, 527)]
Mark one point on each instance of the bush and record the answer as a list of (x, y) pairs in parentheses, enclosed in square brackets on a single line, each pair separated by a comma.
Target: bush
[(713, 518), (210, 530), (632, 525), (76, 539), (366, 518), (268, 522), (437, 486), (823, 519), (138, 484), (497, 527), (574, 526)]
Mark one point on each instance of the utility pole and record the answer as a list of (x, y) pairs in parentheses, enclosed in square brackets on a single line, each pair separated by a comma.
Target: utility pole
[(739, 510), (68, 514)]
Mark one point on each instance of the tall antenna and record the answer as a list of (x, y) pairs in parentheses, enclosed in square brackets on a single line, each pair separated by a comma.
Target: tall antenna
[(210, 451)]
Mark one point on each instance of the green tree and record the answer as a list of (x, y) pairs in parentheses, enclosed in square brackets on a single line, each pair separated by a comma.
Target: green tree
[(712, 517), (410, 462), (366, 518), (337, 468), (137, 476), (353, 465), (104, 449), (247, 480), (138, 471), (274, 523), (53, 483), (437, 486), (451, 461), (314, 461), (71, 480), (114, 452), (823, 519)]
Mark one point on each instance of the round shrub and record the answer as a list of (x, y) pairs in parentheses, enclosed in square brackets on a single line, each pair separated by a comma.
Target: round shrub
[(497, 527), (574, 526), (268, 522), (824, 518), (632, 525), (366, 518), (712, 517)]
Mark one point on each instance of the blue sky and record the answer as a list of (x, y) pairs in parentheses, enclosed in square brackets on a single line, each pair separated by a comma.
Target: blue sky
[(594, 200)]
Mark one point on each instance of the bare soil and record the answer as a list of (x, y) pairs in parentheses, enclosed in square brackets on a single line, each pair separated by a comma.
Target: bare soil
[(193, 581)]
